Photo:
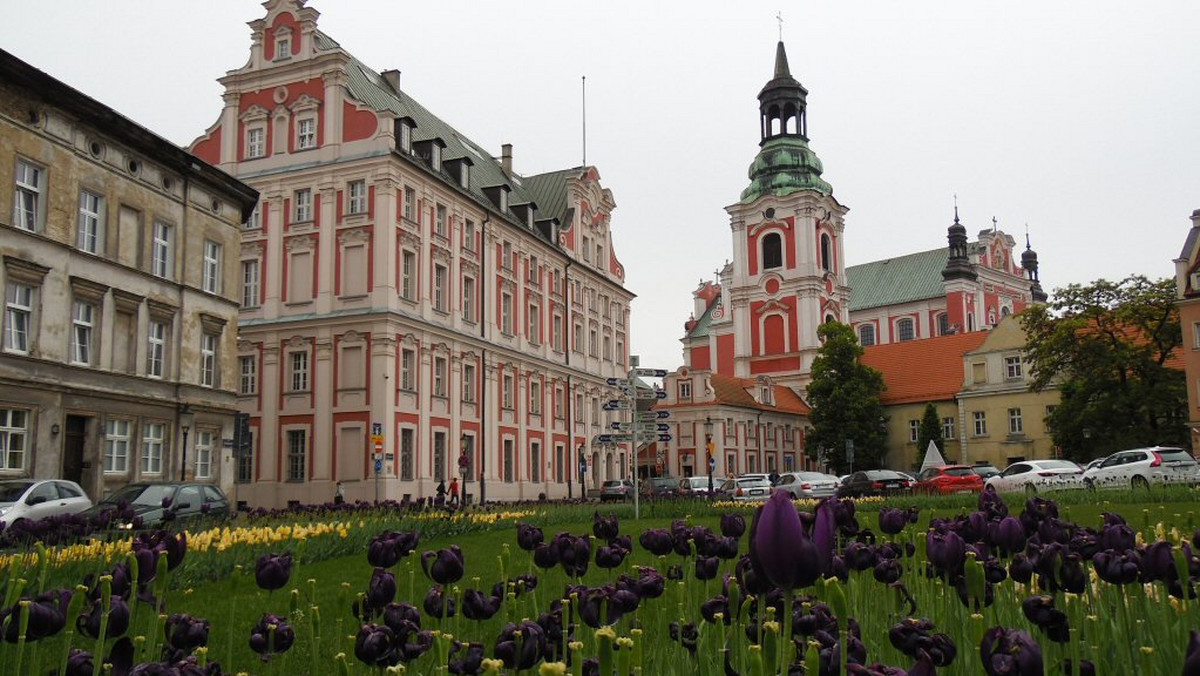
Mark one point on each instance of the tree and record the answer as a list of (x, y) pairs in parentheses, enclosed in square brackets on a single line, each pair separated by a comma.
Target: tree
[(844, 396), (931, 430), (1107, 347)]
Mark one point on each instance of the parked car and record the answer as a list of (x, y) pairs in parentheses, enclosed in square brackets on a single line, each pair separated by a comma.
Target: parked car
[(874, 482), (1144, 467), (807, 484), (749, 487), (159, 502), (616, 489), (32, 499), (697, 485), (1038, 475), (946, 479), (986, 471), (660, 487)]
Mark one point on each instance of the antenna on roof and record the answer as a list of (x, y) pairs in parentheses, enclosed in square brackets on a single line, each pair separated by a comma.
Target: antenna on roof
[(583, 88)]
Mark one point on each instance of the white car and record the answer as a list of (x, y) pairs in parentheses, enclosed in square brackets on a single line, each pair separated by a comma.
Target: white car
[(746, 488), (31, 499), (1032, 476), (807, 484), (1144, 467)]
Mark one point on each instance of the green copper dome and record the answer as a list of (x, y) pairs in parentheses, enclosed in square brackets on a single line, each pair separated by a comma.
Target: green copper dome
[(784, 165)]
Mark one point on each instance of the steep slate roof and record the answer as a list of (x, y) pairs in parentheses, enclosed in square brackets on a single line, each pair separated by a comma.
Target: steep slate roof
[(549, 191), (922, 370), (897, 280), (700, 330), (730, 391)]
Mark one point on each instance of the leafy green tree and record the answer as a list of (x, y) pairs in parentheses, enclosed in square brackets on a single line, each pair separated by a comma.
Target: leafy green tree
[(844, 396), (931, 430), (1107, 347)]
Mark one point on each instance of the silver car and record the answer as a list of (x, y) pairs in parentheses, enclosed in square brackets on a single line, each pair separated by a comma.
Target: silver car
[(808, 484), (22, 499)]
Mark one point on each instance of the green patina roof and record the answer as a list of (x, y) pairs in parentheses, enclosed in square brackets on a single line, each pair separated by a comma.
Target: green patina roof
[(549, 191), (700, 330), (784, 165), (897, 280)]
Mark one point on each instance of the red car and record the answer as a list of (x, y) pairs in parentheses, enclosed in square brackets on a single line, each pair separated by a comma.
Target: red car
[(949, 479)]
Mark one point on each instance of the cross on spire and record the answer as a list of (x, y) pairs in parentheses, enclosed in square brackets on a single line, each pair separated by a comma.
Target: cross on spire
[(779, 18), (994, 224)]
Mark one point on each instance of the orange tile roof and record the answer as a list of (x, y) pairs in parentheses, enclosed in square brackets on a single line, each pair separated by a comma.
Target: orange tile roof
[(922, 370), (730, 391)]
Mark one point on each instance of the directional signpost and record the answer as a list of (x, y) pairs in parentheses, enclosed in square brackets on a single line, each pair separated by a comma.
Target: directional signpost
[(643, 426)]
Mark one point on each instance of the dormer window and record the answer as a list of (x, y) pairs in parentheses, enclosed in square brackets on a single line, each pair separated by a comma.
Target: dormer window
[(435, 157), (404, 134), (431, 151), (460, 169), (766, 395), (498, 194)]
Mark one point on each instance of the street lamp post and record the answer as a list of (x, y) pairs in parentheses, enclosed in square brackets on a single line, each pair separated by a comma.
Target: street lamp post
[(708, 451), (185, 424), (464, 465)]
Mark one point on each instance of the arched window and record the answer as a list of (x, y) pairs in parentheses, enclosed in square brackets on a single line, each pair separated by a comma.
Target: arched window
[(772, 251), (866, 335), (1005, 311), (904, 330), (829, 319), (943, 324), (826, 253)]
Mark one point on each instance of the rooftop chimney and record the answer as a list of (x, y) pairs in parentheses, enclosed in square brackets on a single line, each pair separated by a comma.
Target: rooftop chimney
[(392, 77), (506, 158)]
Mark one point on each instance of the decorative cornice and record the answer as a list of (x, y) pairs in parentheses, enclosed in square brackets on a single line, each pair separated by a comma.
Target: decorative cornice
[(354, 236), (301, 243)]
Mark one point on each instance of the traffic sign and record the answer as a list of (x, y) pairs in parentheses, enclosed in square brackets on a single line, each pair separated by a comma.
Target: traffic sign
[(376, 429), (650, 395), (653, 415), (617, 381), (614, 438), (664, 437), (649, 373), (378, 466), (617, 405), (640, 427)]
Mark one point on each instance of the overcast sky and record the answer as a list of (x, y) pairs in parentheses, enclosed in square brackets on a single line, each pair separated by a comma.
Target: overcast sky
[(1080, 119)]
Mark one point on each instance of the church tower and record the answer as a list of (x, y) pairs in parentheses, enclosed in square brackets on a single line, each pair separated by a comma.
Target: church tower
[(788, 272)]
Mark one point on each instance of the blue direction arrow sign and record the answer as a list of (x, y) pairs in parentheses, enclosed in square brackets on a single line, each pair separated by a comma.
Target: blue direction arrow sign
[(617, 381), (664, 437), (614, 438), (644, 395), (617, 405), (653, 415), (650, 373)]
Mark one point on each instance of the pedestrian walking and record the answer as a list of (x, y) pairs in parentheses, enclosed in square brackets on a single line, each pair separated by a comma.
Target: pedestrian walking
[(454, 491)]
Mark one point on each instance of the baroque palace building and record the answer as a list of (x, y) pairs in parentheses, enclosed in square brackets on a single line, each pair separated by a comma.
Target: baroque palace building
[(120, 278), (749, 345), (402, 290)]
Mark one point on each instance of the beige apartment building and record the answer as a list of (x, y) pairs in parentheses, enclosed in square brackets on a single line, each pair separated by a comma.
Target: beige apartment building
[(413, 308), (120, 263)]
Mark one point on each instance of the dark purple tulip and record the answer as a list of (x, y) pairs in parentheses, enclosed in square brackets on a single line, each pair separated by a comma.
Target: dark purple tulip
[(1010, 652), (707, 567), (262, 642), (47, 616), (545, 557), (147, 560), (717, 604), (1072, 576), (824, 530), (438, 603), (1191, 663), (1086, 668), (750, 581), (186, 633), (723, 547), (888, 571), (1117, 567), (384, 550), (605, 527), (992, 504), (118, 619), (780, 550), (574, 553), (477, 606), (271, 572), (1020, 569), (394, 614), (381, 590), (606, 605), (470, 661), (1158, 563), (529, 537), (623, 541), (153, 668), (892, 520), (1041, 612), (175, 546), (375, 646), (1117, 536), (994, 571), (656, 541), (121, 584), (1010, 535), (650, 584), (610, 557), (947, 551), (521, 652), (413, 646), (687, 635), (674, 572), (79, 663), (733, 525), (445, 566), (860, 556)]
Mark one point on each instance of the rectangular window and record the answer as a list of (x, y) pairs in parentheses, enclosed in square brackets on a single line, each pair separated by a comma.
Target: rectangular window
[(508, 460), (469, 235), (204, 449), (534, 276), (156, 349), (1196, 335), (620, 352), (406, 455), (948, 428), (14, 438), (299, 371), (439, 376), (439, 456), (161, 259), (439, 222), (152, 447), (410, 204), (506, 314), (556, 332), (980, 423), (607, 348), (251, 283), (408, 272), (979, 372), (245, 462), (27, 202), (303, 209), (248, 383), (116, 446), (297, 458), (212, 267), (506, 255), (91, 223), (1012, 368), (440, 275), (408, 370), (535, 461), (587, 249), (208, 360), (577, 338), (600, 256), (914, 431), (579, 408), (685, 390), (593, 343), (1015, 423), (468, 299), (535, 324), (306, 134), (535, 397), (255, 220), (357, 204), (256, 142), (507, 393), (82, 324), (468, 383)]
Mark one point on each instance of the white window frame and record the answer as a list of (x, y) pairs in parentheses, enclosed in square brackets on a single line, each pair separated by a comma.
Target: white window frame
[(116, 445), (535, 396), (156, 348), (468, 383), (440, 220), (14, 438), (255, 220), (866, 335), (685, 390), (256, 142), (439, 377), (154, 435), (506, 313), (410, 204), (297, 454), (19, 301), (468, 299), (900, 326), (83, 324), (469, 235), (914, 431), (508, 385), (408, 370), (1013, 368), (251, 282), (441, 278), (948, 427), (208, 359), (204, 451), (1016, 422), (356, 197), (534, 321), (408, 274), (211, 279), (980, 419), (162, 256), (302, 207), (29, 196), (90, 233), (248, 379), (306, 133), (298, 371)]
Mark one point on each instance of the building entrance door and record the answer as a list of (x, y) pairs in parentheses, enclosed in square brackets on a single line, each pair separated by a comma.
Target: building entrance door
[(72, 463)]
